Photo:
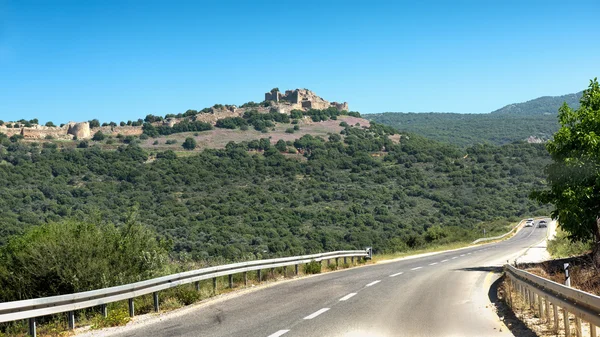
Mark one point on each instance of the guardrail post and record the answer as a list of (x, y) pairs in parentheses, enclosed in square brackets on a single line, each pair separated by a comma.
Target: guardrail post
[(578, 326), (337, 261), (296, 269), (32, 327), (104, 309), (245, 279), (230, 281), (197, 285), (531, 300), (258, 276), (352, 260), (214, 285), (555, 310), (155, 300), (345, 260), (131, 307), (547, 309), (566, 322), (273, 272), (540, 307), (71, 320)]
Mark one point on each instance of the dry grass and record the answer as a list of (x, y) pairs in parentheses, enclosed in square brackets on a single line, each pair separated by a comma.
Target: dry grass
[(584, 275), (523, 320)]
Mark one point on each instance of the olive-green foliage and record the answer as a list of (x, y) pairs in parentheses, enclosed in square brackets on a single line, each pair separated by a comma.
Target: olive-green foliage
[(561, 246), (116, 317), (235, 204), (574, 174), (70, 256), (189, 143), (469, 129), (313, 267)]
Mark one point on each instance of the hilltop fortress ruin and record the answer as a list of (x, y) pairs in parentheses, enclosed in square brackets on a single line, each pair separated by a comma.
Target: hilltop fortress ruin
[(303, 99), (300, 99)]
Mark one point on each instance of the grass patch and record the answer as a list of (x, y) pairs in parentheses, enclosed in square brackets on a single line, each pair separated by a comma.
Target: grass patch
[(561, 246)]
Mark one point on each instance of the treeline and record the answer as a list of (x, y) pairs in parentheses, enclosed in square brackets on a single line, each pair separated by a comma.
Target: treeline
[(348, 192), (469, 129)]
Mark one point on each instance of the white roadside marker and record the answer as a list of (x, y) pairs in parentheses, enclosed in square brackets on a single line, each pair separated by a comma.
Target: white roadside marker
[(433, 264), (393, 275), (373, 283), (279, 333), (316, 313), (416, 268), (347, 297)]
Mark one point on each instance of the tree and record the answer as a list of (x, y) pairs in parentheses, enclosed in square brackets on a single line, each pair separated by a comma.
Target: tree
[(98, 136), (189, 143), (94, 123), (281, 145), (574, 174), (50, 124)]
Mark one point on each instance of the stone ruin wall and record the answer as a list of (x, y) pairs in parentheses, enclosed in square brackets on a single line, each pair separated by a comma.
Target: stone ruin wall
[(302, 99)]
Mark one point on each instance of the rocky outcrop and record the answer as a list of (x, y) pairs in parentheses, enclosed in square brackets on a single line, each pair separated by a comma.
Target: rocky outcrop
[(80, 130)]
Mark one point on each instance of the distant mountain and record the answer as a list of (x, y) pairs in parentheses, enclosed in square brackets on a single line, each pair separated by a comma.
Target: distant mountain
[(541, 105), (531, 121)]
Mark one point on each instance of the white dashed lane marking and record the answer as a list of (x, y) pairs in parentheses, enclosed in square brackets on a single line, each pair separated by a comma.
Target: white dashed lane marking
[(443, 261), (454, 257), (316, 313), (393, 275), (433, 264), (416, 268), (347, 297), (278, 333), (373, 283)]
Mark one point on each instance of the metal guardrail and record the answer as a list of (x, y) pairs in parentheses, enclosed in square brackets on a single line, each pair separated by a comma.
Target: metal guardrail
[(32, 308), (543, 293), (498, 237)]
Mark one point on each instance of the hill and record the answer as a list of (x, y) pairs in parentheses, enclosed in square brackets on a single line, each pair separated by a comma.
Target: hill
[(541, 105), (533, 120)]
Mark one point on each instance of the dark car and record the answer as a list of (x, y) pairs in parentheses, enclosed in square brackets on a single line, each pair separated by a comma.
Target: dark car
[(542, 224)]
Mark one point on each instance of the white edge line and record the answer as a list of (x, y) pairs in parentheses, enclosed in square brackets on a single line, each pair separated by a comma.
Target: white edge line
[(416, 268), (347, 297), (373, 283), (316, 313), (400, 273), (279, 333)]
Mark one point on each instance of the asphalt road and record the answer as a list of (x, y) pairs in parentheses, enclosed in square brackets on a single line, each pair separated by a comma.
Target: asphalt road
[(438, 295)]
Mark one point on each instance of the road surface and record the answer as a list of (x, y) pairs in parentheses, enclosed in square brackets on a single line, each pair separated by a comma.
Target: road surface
[(438, 295)]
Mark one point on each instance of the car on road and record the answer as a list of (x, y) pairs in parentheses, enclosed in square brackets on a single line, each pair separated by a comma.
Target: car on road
[(529, 223), (542, 224)]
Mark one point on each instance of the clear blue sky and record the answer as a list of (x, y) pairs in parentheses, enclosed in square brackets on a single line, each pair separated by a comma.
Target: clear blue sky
[(120, 60)]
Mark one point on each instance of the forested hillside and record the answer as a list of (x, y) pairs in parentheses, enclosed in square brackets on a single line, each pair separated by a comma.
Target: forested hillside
[(513, 123), (253, 200), (469, 129), (541, 105)]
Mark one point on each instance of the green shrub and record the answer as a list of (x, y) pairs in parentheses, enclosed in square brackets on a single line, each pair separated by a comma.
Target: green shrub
[(313, 267), (115, 317), (186, 294), (72, 256), (561, 246)]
